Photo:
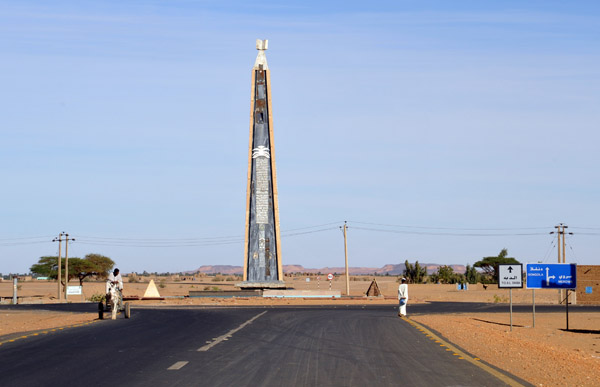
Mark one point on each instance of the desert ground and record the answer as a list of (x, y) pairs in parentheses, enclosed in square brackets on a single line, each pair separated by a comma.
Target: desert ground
[(546, 355)]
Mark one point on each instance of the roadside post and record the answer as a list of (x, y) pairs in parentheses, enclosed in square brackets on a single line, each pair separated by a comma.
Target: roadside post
[(552, 276), (509, 277), (15, 287), (330, 277)]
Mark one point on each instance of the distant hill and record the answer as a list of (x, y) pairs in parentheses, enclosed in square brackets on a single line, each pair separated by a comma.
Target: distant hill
[(388, 269)]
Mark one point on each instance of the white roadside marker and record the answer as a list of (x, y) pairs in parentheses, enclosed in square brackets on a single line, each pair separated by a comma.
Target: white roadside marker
[(228, 334), (178, 365)]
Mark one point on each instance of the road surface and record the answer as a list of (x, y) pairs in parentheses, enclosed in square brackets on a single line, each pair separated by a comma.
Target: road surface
[(253, 346)]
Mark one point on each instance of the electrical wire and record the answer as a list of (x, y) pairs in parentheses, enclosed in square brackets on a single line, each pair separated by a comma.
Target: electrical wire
[(237, 239), (186, 242), (547, 255), (17, 239), (451, 228), (447, 234), (23, 243)]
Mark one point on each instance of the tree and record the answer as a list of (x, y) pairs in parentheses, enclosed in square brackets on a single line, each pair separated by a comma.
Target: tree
[(414, 274), (490, 265), (46, 267), (445, 275), (102, 264), (92, 264), (471, 275)]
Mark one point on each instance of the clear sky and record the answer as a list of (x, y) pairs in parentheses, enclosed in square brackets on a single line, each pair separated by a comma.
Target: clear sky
[(441, 131)]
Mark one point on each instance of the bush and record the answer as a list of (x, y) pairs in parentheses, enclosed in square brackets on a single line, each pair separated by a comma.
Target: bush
[(212, 288), (98, 297), (133, 279), (162, 284)]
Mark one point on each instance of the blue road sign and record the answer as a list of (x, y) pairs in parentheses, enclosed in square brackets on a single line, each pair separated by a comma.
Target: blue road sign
[(551, 275)]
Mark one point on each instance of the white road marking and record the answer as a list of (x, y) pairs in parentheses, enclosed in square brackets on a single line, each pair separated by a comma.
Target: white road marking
[(228, 334), (178, 365)]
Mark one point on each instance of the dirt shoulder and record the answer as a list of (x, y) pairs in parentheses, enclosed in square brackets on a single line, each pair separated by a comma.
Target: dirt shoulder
[(16, 321), (546, 355)]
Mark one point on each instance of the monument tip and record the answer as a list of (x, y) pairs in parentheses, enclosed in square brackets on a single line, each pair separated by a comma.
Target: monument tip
[(262, 44), (261, 58)]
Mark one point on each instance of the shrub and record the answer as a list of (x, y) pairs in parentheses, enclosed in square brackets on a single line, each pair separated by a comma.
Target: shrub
[(162, 284), (97, 297), (212, 288)]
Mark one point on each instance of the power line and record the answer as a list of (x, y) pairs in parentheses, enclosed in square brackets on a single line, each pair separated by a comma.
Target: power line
[(448, 233), (23, 243), (450, 228), (22, 238)]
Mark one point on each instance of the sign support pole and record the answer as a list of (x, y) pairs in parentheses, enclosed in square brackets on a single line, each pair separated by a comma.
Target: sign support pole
[(510, 292), (567, 303), (533, 296), (510, 276)]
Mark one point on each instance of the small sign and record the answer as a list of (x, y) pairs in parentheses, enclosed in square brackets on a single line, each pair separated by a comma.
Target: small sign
[(74, 290), (307, 279), (330, 276), (551, 276), (588, 290), (510, 276)]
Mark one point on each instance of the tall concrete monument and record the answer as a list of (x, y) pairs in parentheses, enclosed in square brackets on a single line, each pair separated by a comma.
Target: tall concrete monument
[(262, 247)]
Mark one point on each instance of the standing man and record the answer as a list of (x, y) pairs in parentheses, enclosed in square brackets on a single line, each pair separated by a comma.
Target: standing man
[(402, 297)]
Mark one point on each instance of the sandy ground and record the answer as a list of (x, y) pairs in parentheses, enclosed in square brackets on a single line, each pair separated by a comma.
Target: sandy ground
[(546, 355)]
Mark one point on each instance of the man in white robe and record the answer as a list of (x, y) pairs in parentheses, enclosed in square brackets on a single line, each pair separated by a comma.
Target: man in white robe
[(114, 278), (402, 298)]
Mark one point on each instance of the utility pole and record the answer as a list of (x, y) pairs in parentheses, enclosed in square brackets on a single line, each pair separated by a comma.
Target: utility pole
[(345, 228), (67, 265), (59, 239), (560, 230), (558, 233), (563, 244)]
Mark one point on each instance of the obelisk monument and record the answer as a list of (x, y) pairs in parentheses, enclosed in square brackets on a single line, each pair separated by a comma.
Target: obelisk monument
[(262, 247)]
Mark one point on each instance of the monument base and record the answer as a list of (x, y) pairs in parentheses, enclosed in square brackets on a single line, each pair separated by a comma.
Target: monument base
[(261, 285)]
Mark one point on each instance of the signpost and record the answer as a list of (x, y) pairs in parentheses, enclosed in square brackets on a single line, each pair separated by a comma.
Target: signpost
[(509, 277), (552, 276), (329, 277)]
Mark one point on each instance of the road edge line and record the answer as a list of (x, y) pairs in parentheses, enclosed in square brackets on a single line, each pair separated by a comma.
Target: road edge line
[(506, 379)]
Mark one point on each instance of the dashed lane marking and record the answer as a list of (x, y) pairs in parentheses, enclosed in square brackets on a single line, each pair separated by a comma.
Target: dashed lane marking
[(178, 365), (462, 355), (227, 335)]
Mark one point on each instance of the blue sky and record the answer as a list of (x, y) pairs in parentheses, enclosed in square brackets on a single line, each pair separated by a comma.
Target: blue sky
[(441, 131)]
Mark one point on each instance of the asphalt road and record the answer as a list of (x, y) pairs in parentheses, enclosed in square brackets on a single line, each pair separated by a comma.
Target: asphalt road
[(192, 346)]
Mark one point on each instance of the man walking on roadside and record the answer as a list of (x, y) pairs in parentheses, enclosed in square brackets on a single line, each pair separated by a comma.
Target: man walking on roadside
[(402, 297)]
